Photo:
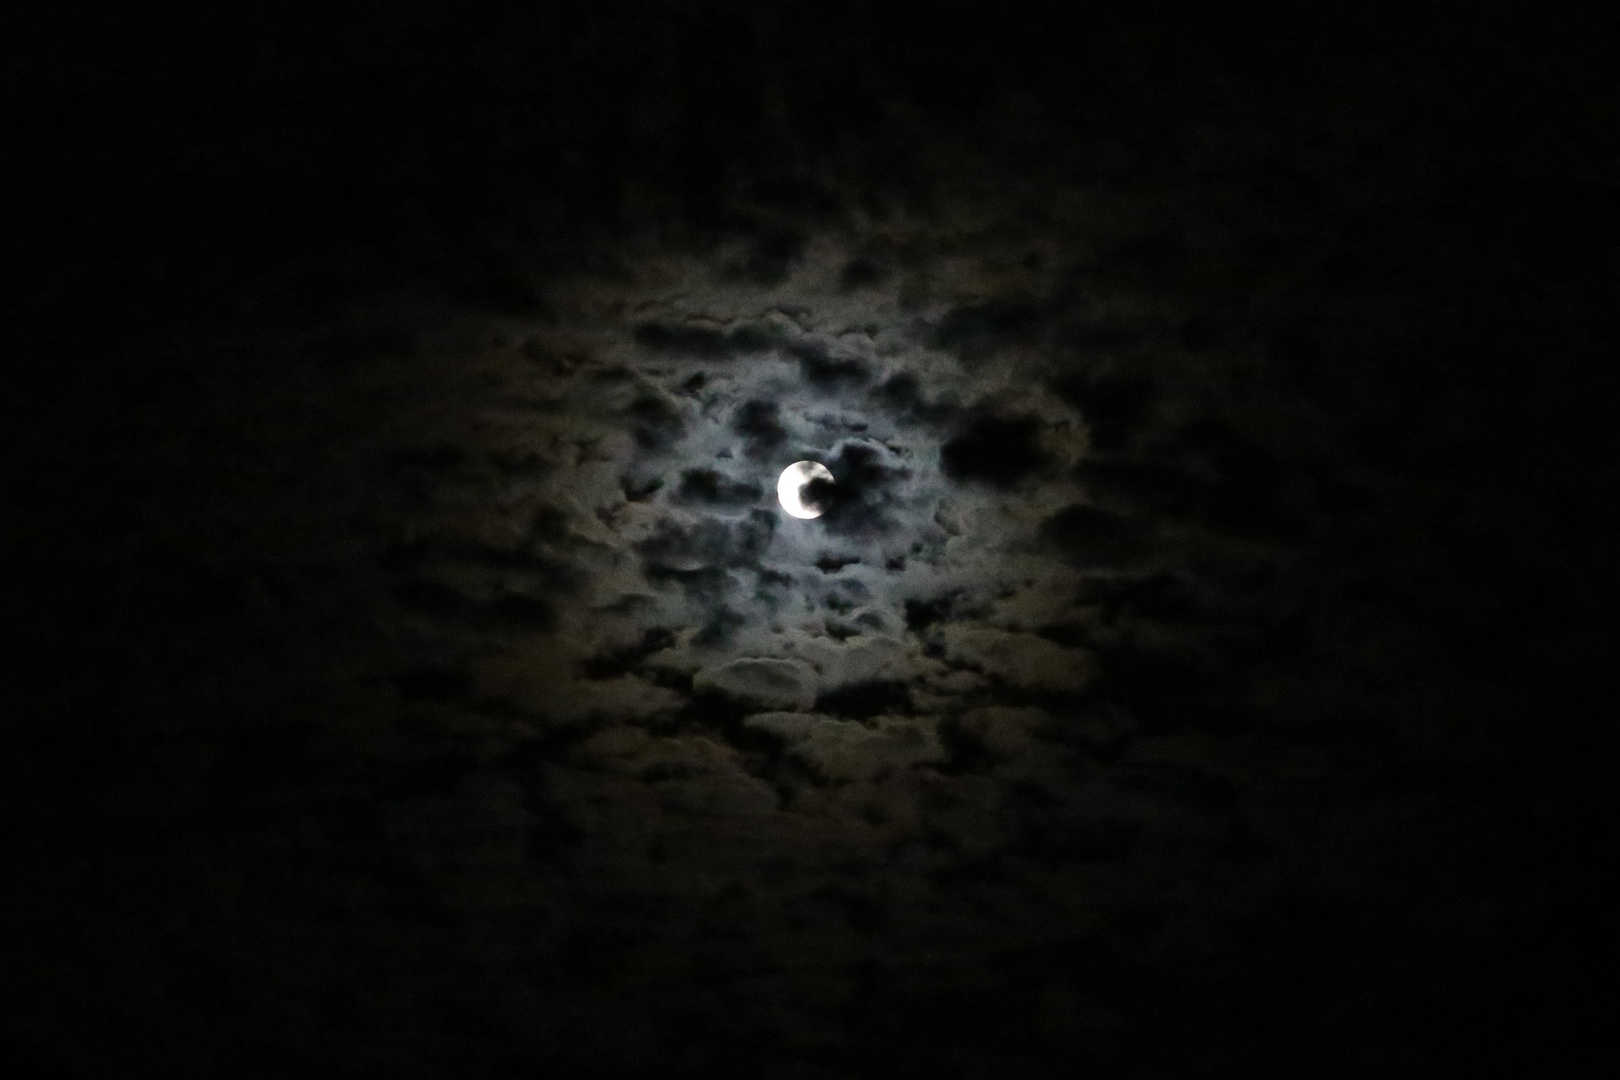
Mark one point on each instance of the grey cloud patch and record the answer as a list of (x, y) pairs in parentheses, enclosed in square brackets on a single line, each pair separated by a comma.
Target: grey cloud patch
[(1020, 659), (713, 340), (708, 545), (1006, 732), (846, 751), (760, 683)]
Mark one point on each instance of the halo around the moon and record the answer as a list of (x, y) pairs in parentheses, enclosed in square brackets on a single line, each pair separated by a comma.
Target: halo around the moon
[(790, 488)]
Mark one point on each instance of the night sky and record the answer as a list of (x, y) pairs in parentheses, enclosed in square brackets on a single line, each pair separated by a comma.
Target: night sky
[(1201, 668)]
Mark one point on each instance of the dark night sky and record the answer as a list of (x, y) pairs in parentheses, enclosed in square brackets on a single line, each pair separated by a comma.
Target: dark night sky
[(1196, 672)]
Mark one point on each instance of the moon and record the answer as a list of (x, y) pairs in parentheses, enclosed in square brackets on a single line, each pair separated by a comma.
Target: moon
[(790, 488)]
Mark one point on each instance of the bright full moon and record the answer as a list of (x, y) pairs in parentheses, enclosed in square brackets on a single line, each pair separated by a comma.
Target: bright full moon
[(790, 488)]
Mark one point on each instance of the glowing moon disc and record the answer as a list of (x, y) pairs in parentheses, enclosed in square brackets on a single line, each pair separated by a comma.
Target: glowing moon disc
[(790, 488)]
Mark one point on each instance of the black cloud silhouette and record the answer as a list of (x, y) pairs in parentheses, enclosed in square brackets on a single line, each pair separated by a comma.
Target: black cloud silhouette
[(706, 487), (1000, 451), (823, 370), (865, 492), (759, 423)]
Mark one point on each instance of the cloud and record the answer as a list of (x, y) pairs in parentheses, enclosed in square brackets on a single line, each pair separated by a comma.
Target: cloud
[(759, 683), (868, 478), (846, 751), (1115, 405), (758, 422), (774, 256), (902, 394), (1021, 660), (1087, 535), (826, 371), (546, 678), (707, 487), (1007, 732), (976, 329), (707, 544), (883, 671), (710, 339), (996, 450), (656, 420)]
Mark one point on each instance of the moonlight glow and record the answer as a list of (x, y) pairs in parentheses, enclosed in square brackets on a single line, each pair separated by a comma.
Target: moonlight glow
[(790, 488)]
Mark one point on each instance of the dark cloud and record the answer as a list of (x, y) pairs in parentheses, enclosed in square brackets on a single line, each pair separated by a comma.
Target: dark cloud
[(720, 627), (1115, 406), (921, 614), (1090, 536), (773, 257), (706, 487), (751, 337), (819, 494), (708, 546), (1106, 336), (902, 394), (861, 700), (996, 450), (845, 594), (637, 489), (974, 330), (620, 661), (1252, 489), (706, 340), (433, 682), (759, 422), (825, 371), (866, 491), (862, 272), (704, 587), (503, 610), (655, 421)]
